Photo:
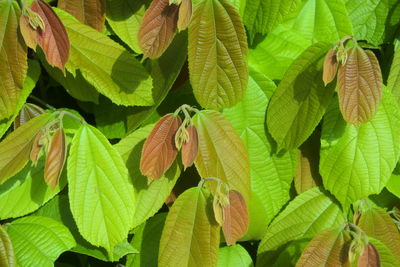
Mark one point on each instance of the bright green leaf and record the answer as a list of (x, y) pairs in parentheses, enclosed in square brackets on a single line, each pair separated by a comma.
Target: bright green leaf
[(393, 184), (7, 256), (393, 82), (106, 65), (191, 235), (357, 162), (304, 96), (385, 255), (38, 241), (99, 186), (217, 54), (234, 256)]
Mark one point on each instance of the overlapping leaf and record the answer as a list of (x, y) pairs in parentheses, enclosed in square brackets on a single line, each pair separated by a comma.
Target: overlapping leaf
[(234, 256), (7, 257), (89, 12), (360, 86), (357, 162), (106, 65), (191, 235), (385, 255), (27, 112), (191, 147), (28, 32), (217, 54), (98, 186), (369, 257), (304, 96), (55, 158), (13, 63), (221, 152)]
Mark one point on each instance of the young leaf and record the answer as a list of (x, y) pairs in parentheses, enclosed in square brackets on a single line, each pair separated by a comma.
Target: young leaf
[(221, 152), (307, 215), (106, 65), (304, 97), (328, 248), (159, 150), (89, 12), (236, 218), (191, 235), (369, 257), (37, 147), (330, 66), (217, 54), (27, 112), (28, 33), (53, 39), (7, 257), (185, 14), (39, 241), (16, 147), (158, 28), (98, 186), (55, 158), (234, 256), (13, 63), (191, 147), (360, 86)]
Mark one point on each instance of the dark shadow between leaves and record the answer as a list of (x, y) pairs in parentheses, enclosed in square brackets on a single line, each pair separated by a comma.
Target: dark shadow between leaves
[(120, 10)]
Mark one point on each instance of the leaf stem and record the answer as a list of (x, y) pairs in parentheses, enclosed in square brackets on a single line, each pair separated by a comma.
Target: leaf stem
[(40, 101)]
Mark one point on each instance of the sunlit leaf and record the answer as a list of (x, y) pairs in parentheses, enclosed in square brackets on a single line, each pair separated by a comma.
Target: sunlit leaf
[(55, 158), (185, 14), (27, 112), (13, 63), (217, 54), (158, 28), (385, 254), (28, 33), (360, 86), (330, 66), (191, 147), (98, 186), (191, 235), (234, 256), (7, 257), (221, 152), (89, 12), (53, 39), (369, 257)]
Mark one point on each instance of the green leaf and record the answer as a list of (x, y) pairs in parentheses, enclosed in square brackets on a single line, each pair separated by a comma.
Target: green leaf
[(38, 241), (323, 21), (357, 162), (277, 51), (385, 255), (124, 18), (147, 241), (106, 65), (217, 54), (262, 16), (149, 197), (7, 257), (304, 217), (13, 54), (234, 256), (99, 186), (16, 147), (27, 191), (304, 96), (30, 81), (191, 235), (248, 118), (288, 254), (393, 185), (222, 153), (110, 118), (393, 82)]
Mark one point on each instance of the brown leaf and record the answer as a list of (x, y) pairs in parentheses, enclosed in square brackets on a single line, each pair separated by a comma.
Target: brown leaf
[(53, 39), (185, 14), (236, 218), (55, 158), (191, 147), (27, 112), (28, 33), (89, 12), (36, 147), (360, 86), (369, 257), (158, 28), (330, 66), (159, 150)]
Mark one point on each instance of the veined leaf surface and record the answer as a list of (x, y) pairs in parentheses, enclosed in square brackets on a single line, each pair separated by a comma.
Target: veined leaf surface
[(7, 256)]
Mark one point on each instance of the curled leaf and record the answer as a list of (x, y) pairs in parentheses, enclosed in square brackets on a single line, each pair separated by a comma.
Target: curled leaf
[(218, 211), (36, 147), (360, 86), (236, 218), (330, 66), (28, 32), (159, 150), (185, 14), (369, 257), (55, 158), (53, 39), (191, 147), (27, 112), (158, 28)]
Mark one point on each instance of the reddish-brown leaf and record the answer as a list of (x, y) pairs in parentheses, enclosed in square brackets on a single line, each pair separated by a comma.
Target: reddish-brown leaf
[(55, 158), (89, 12), (53, 39), (159, 150), (236, 218), (158, 28), (28, 33), (185, 14), (360, 86), (36, 147), (191, 147), (330, 66), (27, 112), (369, 257)]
